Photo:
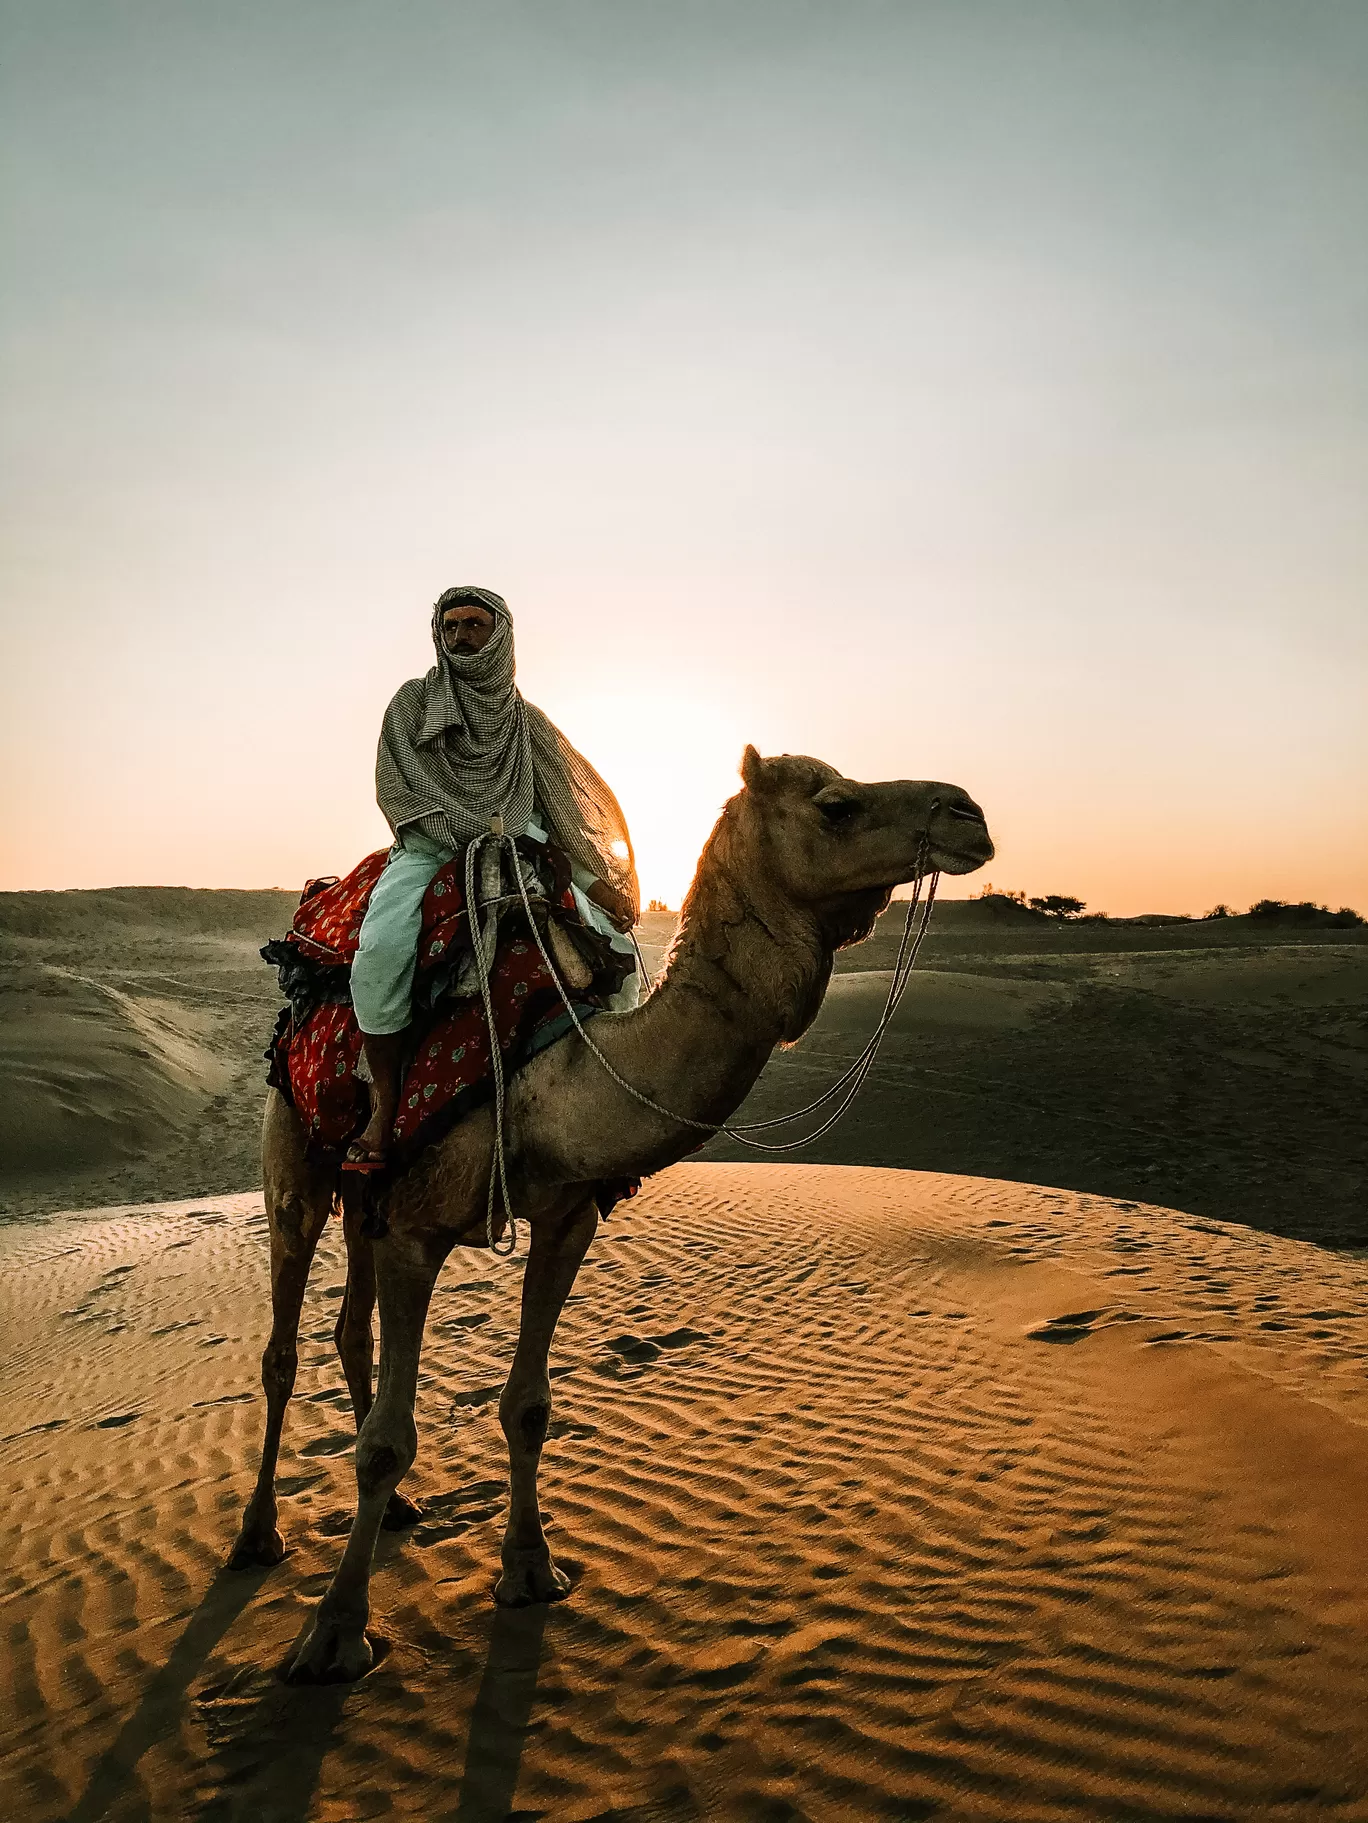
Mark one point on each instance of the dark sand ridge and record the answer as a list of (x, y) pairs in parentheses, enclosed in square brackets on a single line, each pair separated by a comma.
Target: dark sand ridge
[(1197, 1064), (1217, 1067), (885, 1495)]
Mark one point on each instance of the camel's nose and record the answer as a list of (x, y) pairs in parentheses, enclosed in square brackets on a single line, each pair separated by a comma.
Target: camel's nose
[(959, 829), (961, 808)]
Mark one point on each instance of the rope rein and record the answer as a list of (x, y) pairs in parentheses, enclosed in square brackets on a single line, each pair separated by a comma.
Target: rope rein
[(855, 1074), (498, 1167)]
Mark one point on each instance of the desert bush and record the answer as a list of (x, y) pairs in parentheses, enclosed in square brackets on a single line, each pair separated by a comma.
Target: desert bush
[(1003, 897), (1306, 911), (1057, 905)]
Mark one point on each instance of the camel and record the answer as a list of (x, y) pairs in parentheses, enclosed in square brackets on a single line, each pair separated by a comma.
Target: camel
[(800, 863)]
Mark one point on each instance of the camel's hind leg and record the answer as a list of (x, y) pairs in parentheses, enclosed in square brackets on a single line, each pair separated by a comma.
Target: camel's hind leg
[(529, 1575), (299, 1197), (355, 1341)]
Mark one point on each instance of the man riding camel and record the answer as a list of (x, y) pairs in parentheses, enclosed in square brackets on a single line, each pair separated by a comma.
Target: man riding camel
[(459, 749)]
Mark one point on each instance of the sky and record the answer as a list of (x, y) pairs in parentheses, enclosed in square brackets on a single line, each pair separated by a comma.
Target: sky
[(967, 391)]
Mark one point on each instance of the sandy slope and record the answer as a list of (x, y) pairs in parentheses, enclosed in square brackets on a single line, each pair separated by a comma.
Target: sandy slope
[(885, 1495), (132, 1026), (1228, 1079)]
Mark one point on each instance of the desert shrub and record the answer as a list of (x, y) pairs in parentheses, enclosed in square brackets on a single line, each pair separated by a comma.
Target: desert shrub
[(1057, 905), (1011, 906), (1306, 911)]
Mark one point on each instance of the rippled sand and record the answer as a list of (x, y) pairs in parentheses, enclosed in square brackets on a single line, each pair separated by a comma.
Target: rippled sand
[(886, 1495)]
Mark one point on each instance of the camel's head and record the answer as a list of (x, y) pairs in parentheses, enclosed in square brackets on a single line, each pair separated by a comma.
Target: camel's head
[(840, 847)]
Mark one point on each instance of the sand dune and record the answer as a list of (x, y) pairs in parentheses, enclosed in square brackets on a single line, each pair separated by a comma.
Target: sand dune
[(1210, 1066), (885, 1495), (1167, 1064), (131, 1029)]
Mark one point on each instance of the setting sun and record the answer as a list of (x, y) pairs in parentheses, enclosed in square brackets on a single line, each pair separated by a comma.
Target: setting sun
[(672, 762)]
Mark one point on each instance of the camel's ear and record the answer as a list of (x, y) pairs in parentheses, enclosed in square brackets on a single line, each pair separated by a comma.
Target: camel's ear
[(752, 770)]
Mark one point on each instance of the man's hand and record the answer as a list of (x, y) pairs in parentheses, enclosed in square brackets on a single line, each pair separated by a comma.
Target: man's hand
[(609, 899)]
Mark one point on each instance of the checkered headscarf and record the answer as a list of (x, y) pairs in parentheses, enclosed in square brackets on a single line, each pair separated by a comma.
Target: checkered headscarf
[(461, 745)]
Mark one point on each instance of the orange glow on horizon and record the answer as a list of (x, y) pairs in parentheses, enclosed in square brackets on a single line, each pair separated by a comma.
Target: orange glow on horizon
[(672, 763), (912, 416)]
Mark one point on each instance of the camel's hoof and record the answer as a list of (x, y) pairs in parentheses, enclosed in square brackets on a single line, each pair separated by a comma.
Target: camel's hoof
[(257, 1548), (334, 1652), (530, 1576), (400, 1513)]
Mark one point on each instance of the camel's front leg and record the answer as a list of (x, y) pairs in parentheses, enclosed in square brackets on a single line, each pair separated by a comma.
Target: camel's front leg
[(296, 1219), (336, 1647), (529, 1575)]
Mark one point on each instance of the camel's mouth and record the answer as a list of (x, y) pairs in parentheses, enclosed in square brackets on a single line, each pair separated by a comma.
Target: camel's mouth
[(954, 861)]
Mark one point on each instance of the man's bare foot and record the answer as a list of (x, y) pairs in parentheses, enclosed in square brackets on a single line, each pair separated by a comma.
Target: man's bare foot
[(371, 1147), (384, 1055)]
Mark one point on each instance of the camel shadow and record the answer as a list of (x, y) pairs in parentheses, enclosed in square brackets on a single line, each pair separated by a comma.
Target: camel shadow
[(166, 1696), (501, 1716), (262, 1731), (269, 1740)]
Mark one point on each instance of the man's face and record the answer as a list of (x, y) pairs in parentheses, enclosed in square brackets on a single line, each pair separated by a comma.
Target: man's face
[(466, 628)]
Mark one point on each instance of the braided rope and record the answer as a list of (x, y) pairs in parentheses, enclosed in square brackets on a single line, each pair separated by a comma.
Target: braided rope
[(855, 1074), (860, 1067), (484, 960)]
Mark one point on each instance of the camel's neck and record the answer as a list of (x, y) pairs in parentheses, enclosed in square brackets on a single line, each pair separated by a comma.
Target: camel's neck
[(756, 968), (745, 972)]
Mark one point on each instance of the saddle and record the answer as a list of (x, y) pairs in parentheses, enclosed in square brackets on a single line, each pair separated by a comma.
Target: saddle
[(315, 1050)]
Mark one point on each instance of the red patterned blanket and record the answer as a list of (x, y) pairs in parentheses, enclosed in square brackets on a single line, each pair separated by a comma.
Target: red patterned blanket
[(314, 1053)]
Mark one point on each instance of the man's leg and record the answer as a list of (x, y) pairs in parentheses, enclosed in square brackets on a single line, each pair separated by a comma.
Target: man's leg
[(382, 977), (384, 1053)]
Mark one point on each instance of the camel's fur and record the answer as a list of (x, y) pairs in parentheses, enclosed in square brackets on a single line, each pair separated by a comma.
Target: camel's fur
[(781, 885)]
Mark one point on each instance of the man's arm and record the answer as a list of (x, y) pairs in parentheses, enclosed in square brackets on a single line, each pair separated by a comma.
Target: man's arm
[(610, 900)]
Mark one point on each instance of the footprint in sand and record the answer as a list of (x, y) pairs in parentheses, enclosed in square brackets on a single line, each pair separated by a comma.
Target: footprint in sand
[(335, 1443), (567, 1427), (633, 1351), (460, 1510), (34, 1430), (476, 1395), (1074, 1325)]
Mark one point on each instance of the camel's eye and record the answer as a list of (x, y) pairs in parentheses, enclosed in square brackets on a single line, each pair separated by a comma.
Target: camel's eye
[(838, 811)]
